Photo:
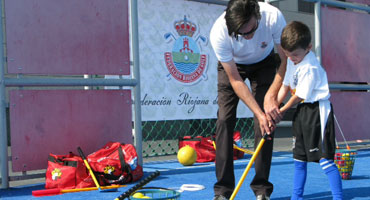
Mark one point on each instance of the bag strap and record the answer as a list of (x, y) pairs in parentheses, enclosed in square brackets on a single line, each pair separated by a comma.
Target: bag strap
[(54, 160), (190, 139), (69, 163), (113, 179), (125, 167)]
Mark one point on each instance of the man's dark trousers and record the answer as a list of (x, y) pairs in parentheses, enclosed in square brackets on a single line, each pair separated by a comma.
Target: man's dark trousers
[(260, 75)]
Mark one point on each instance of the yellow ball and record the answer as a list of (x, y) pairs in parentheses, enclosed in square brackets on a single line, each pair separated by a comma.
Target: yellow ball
[(187, 156), (138, 195)]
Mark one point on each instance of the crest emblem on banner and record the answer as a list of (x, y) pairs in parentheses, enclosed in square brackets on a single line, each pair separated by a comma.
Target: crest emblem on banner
[(186, 63)]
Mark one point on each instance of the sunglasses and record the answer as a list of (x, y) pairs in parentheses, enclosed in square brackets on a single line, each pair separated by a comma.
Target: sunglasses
[(251, 31)]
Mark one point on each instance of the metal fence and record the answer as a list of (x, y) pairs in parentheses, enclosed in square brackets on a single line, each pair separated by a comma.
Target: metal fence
[(160, 138)]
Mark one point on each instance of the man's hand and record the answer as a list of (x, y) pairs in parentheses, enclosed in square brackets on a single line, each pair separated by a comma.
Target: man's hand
[(272, 110), (265, 126)]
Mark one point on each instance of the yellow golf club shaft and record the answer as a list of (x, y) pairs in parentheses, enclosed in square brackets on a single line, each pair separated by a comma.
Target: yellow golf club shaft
[(255, 154), (247, 151), (89, 168), (237, 148), (92, 174)]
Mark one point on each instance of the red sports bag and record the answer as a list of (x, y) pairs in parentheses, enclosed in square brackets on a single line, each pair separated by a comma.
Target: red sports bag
[(67, 172), (204, 147), (116, 163)]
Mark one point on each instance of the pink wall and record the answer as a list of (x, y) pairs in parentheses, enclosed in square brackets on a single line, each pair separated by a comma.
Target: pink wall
[(58, 121), (67, 37), (345, 56), (352, 112), (345, 45)]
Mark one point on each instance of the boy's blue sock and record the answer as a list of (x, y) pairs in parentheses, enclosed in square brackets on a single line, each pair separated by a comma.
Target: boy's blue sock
[(335, 180), (300, 174)]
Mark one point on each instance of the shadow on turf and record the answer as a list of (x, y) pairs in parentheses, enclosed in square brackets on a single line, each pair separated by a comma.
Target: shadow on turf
[(363, 153), (200, 168), (210, 166), (360, 177), (349, 193), (20, 191)]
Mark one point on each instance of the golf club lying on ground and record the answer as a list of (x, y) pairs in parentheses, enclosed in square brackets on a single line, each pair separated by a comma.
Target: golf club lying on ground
[(247, 151), (57, 191)]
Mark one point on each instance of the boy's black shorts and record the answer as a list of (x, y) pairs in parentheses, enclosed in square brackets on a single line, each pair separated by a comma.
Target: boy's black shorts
[(308, 144)]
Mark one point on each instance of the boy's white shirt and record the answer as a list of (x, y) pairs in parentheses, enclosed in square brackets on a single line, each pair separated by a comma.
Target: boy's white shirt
[(309, 81), (244, 51)]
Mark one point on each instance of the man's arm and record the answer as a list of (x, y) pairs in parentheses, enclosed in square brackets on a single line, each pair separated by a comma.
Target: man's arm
[(271, 104), (243, 92)]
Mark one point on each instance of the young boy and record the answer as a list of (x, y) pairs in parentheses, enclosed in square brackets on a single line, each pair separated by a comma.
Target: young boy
[(313, 122)]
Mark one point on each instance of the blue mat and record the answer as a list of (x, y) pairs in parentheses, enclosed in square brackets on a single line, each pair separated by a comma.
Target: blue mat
[(173, 175)]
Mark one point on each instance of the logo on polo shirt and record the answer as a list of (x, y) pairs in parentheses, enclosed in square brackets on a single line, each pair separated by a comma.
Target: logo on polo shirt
[(186, 63), (263, 45)]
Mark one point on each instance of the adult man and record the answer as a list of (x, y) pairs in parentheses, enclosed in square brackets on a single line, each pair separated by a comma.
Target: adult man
[(243, 39)]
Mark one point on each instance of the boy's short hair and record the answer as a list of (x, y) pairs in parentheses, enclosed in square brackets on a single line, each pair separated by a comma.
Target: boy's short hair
[(295, 35)]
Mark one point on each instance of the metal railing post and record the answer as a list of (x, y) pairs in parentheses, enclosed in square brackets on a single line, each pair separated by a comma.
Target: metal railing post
[(136, 75), (318, 30), (3, 129)]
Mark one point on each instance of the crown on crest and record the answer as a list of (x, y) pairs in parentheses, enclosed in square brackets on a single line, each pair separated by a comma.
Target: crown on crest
[(185, 27)]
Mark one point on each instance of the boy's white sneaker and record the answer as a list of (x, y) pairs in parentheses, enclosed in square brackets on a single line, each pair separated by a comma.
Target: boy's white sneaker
[(219, 197), (262, 197)]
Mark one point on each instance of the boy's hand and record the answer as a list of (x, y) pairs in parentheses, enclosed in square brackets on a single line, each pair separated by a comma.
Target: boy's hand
[(272, 127), (282, 111)]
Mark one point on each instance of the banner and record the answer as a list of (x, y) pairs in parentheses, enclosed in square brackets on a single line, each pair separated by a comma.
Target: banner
[(178, 68)]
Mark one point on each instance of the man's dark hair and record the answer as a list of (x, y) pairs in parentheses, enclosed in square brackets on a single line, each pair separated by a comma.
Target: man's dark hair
[(239, 12), (295, 35)]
